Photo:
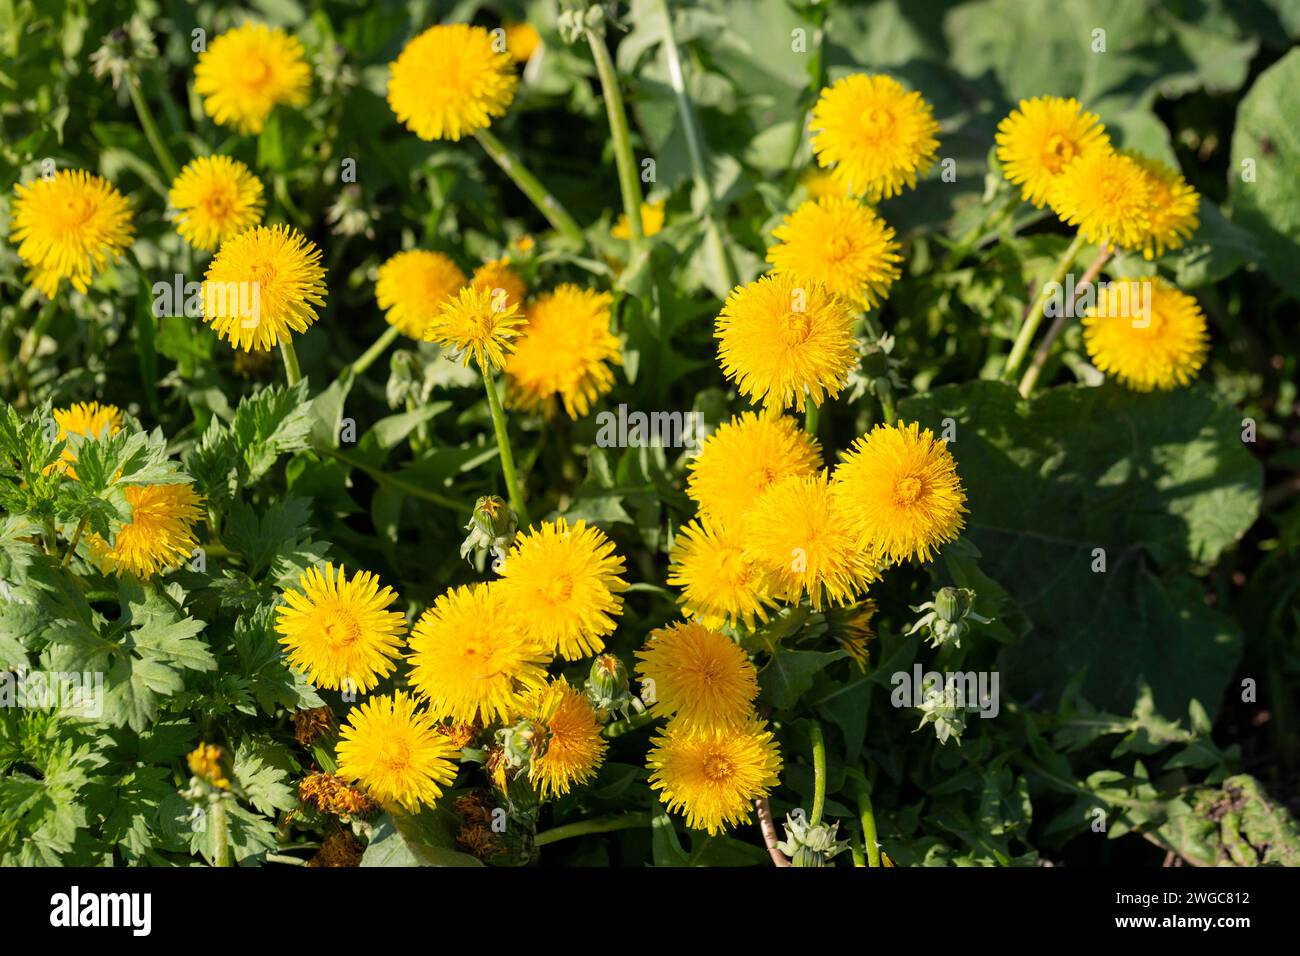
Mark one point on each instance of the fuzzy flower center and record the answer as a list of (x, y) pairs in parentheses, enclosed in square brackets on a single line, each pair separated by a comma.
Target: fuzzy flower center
[(718, 768), (340, 627), (1057, 151), (795, 328), (907, 490)]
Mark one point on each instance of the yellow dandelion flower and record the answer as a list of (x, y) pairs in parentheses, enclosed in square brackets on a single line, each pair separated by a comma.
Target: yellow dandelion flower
[(899, 488), (574, 746), (412, 286), (69, 227), (338, 632), (208, 762), (700, 677), (563, 583), (476, 323), (393, 750), (719, 584), (1147, 334), (1106, 196), (652, 222), (840, 243), (451, 81), (852, 630), (215, 198), (799, 533), (248, 71), (89, 419), (714, 777), (1172, 216), (471, 658), (262, 285), (522, 41), (784, 341), (565, 353), (159, 535), (821, 184), (497, 277), (745, 456), (875, 135), (1040, 137)]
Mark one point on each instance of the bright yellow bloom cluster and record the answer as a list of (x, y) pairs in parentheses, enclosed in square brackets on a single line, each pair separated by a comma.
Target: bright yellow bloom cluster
[(476, 323), (574, 748), (841, 244), (215, 198), (1061, 155), (876, 136), (69, 226), (785, 342), (337, 631), (262, 285), (565, 353), (451, 81), (1147, 334), (394, 749), (471, 656), (652, 222), (412, 286), (248, 71), (563, 584)]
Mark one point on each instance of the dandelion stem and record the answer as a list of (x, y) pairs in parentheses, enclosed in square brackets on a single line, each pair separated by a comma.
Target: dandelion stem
[(811, 417), (531, 187), (867, 817), (503, 446), (625, 821), (72, 545), (618, 129), (376, 349), (768, 828), (695, 148), (1058, 326), (819, 772), (220, 832), (165, 158), (889, 415), (397, 484), (290, 355), (1034, 314)]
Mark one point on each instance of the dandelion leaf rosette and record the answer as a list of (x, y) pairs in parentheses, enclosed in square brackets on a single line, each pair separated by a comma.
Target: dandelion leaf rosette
[(1157, 482)]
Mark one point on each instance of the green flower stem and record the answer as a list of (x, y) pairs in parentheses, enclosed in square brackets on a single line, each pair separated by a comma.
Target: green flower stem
[(32, 340), (72, 545), (290, 356), (628, 184), (395, 483), (987, 224), (889, 415), (1034, 315), (819, 772), (1058, 326), (220, 831), (377, 349), (165, 158), (531, 187), (695, 147), (513, 487), (625, 821), (867, 817), (811, 418)]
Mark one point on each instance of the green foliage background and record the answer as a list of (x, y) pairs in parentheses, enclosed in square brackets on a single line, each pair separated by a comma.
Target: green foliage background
[(1121, 691)]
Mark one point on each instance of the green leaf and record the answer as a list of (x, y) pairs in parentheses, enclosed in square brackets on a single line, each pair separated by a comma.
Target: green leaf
[(789, 675), (1266, 147), (423, 840), (1155, 481), (271, 423)]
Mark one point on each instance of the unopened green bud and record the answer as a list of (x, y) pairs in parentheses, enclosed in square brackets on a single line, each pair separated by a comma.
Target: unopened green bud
[(491, 528), (808, 845), (940, 708), (522, 742)]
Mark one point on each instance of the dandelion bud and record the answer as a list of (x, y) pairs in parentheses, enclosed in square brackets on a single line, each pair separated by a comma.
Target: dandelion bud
[(808, 845), (491, 527)]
